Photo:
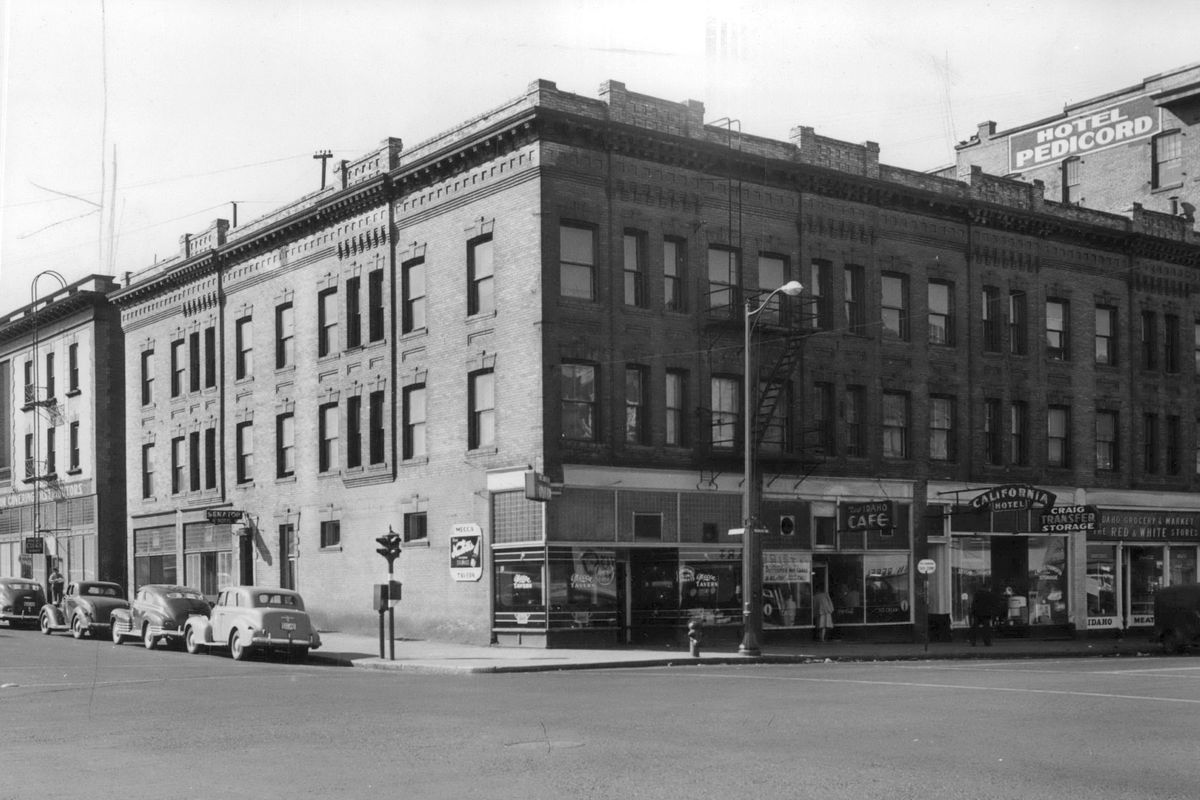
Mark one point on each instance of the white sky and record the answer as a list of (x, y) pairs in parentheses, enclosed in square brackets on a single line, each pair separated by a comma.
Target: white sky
[(210, 101)]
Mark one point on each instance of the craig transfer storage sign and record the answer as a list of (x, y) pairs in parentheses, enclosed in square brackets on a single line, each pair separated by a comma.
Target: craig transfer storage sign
[(1080, 134)]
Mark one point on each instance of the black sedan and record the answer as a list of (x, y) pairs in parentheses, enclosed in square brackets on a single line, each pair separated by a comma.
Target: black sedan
[(21, 601), (158, 612)]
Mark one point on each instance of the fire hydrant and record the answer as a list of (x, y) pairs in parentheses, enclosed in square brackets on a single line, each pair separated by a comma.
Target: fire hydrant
[(695, 637)]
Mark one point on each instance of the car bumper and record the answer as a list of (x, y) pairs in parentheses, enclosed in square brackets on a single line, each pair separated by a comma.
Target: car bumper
[(17, 616), (262, 640)]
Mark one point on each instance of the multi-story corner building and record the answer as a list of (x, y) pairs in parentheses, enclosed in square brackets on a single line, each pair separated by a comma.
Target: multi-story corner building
[(62, 442), (1132, 146), (520, 345)]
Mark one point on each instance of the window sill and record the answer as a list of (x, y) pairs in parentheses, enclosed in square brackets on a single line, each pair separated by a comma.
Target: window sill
[(337, 548), (75, 471), (415, 461), (416, 543), (414, 334), (74, 393), (1170, 187), (285, 479), (491, 450), (481, 316), (244, 485)]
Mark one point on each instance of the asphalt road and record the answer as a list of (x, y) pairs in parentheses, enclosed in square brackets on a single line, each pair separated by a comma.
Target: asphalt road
[(90, 720)]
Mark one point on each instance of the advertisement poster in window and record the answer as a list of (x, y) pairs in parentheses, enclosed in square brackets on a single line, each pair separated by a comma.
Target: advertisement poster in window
[(787, 588), (466, 553)]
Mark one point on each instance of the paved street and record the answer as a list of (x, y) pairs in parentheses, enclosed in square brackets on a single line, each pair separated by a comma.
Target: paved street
[(86, 719)]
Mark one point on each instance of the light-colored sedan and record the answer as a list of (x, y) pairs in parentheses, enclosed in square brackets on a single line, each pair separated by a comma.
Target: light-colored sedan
[(247, 619)]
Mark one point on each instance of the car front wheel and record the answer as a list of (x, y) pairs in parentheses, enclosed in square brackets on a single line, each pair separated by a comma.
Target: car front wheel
[(148, 639), (45, 624), (116, 634), (77, 628), (189, 641), (236, 648)]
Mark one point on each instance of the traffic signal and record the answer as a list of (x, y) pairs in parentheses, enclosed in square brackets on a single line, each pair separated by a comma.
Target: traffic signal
[(389, 547)]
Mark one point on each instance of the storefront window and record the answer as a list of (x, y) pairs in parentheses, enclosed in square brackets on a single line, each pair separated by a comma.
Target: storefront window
[(1183, 565), (583, 588), (1145, 577), (710, 590), (519, 587), (970, 568), (1101, 586), (1047, 580), (887, 588), (671, 588), (787, 589)]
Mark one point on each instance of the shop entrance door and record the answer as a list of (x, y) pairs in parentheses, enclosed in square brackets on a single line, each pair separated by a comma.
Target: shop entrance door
[(1010, 576), (1143, 573)]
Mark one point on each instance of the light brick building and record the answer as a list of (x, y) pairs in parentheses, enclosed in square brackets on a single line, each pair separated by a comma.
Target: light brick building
[(62, 442), (520, 345)]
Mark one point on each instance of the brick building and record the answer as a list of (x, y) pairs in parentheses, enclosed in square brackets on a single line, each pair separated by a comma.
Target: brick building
[(520, 345), (62, 442), (1134, 145)]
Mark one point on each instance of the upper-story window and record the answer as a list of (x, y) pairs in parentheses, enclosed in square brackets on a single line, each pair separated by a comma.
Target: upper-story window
[(285, 445), (1018, 432), (412, 294), (854, 417), (375, 305), (72, 368), (992, 432), (1016, 323), (1058, 436), (941, 429), (353, 311), (675, 401), (73, 444), (285, 336), (636, 404), (481, 409), (210, 356), (413, 422), (1106, 335), (354, 431), (941, 312), (244, 450), (377, 428), (481, 285), (1070, 180), (724, 279), (1171, 343), (817, 313), (1057, 331), (1149, 340), (633, 248), (823, 426), (328, 436), (772, 273), (178, 366), (327, 322), (243, 345), (1168, 159), (194, 360), (893, 305), (726, 409), (990, 316), (674, 274), (578, 398), (1107, 454), (855, 298), (49, 376), (1150, 443), (895, 425), (148, 374), (577, 261)]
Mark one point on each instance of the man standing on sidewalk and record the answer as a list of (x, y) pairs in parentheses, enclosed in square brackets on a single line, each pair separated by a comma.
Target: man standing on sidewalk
[(985, 607)]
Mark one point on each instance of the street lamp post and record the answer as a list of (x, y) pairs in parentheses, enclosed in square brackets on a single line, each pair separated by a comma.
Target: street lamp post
[(751, 547)]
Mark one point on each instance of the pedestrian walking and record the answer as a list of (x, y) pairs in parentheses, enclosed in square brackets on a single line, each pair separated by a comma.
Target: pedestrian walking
[(822, 613), (985, 607)]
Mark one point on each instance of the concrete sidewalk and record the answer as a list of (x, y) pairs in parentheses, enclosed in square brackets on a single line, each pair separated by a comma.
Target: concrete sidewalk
[(347, 649)]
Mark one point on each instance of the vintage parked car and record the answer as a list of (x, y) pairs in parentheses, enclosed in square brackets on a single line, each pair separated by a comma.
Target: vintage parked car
[(158, 612), (85, 608), (1177, 616), (254, 618), (21, 600)]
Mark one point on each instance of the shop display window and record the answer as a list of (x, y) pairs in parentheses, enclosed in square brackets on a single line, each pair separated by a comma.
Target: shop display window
[(584, 590), (1145, 578), (1101, 582), (519, 587), (1047, 603), (1183, 565), (970, 568), (787, 589), (886, 591)]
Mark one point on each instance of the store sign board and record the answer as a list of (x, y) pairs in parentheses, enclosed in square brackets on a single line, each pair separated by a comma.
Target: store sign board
[(1063, 519), (1148, 526), (223, 516), (1012, 497), (786, 566), (1102, 622), (35, 545), (466, 553), (875, 516), (1083, 133)]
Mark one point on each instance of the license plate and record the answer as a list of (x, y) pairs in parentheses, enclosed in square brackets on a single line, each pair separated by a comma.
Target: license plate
[(28, 606), (288, 626)]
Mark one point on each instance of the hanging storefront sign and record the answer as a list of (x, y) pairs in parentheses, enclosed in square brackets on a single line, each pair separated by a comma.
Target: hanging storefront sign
[(223, 516), (1064, 519), (466, 553), (1012, 497)]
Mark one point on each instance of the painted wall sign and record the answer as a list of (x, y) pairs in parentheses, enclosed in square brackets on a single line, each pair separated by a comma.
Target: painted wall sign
[(466, 553), (1013, 497), (1083, 133)]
